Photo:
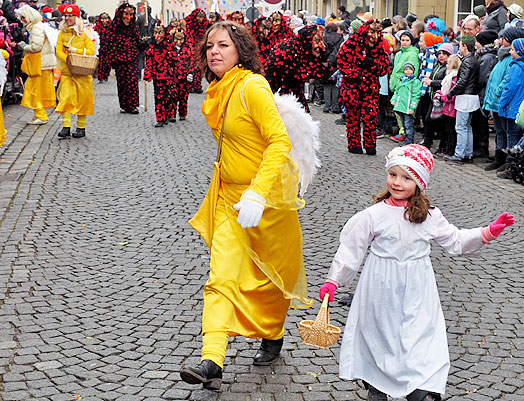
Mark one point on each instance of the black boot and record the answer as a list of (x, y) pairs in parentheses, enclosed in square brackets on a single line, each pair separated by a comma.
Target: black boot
[(423, 395), (500, 159), (79, 133), (268, 352), (371, 151), (357, 151), (65, 133), (206, 372)]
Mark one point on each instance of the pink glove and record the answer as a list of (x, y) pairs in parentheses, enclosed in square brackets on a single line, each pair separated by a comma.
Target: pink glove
[(328, 288), (503, 221)]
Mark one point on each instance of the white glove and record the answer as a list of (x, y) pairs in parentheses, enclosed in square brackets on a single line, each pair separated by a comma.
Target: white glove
[(251, 208), (189, 78), (71, 49)]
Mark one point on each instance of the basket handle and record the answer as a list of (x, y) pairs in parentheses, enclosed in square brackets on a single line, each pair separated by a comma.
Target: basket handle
[(324, 310)]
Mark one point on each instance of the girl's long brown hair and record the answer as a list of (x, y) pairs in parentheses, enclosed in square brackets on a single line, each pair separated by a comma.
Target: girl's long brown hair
[(244, 42), (418, 206)]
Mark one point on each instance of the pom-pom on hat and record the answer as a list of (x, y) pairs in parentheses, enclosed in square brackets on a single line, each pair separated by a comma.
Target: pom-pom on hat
[(416, 160), (69, 9)]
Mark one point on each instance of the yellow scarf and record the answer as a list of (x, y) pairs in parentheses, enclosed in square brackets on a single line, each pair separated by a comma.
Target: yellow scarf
[(218, 94)]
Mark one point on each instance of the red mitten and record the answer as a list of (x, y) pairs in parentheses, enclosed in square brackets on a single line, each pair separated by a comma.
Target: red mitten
[(503, 221), (328, 288)]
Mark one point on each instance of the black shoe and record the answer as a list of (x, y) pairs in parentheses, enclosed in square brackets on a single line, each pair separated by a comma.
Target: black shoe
[(181, 118), (172, 120), (495, 165), (468, 159), (503, 167), (357, 151), (341, 121), (134, 111), (199, 91), (79, 133), (375, 395), (206, 372), (371, 151), (159, 124), (268, 352), (65, 133)]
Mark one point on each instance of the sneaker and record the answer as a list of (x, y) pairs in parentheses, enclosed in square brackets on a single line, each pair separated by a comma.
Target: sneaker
[(316, 103), (182, 118), (442, 155), (340, 121), (159, 124), (37, 121), (398, 138), (454, 159)]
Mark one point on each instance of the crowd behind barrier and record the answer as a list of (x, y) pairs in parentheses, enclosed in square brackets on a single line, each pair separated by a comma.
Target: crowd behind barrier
[(403, 84)]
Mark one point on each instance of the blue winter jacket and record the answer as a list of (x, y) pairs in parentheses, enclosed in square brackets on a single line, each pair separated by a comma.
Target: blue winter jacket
[(513, 93), (496, 81)]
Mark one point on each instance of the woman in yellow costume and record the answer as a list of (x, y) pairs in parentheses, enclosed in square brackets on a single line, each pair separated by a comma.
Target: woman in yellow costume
[(4, 56), (75, 93), (39, 61), (249, 217)]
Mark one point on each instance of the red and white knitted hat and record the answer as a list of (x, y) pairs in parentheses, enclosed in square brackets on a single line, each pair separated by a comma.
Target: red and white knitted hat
[(415, 160)]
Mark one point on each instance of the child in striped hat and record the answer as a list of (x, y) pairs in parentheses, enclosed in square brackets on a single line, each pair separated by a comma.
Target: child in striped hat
[(395, 336)]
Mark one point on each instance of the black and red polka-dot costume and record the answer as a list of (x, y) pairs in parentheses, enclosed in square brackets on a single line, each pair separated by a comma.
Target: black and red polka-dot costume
[(183, 66), (122, 48), (159, 68), (195, 32), (361, 67), (104, 66), (291, 63), (284, 33), (264, 45)]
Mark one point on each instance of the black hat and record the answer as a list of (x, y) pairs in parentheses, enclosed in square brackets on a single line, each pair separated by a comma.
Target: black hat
[(408, 34), (512, 33), (487, 37), (386, 22), (411, 18)]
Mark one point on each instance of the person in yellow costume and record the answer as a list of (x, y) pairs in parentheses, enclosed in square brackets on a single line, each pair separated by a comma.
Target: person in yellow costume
[(249, 217), (5, 56), (39, 91), (75, 93)]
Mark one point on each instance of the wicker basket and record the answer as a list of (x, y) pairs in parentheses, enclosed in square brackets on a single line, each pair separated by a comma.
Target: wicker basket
[(80, 64), (319, 333)]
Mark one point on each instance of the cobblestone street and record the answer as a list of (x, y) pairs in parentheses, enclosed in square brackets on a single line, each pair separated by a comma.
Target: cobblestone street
[(101, 277)]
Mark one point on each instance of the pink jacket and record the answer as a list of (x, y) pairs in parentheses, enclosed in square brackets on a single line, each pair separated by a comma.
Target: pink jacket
[(449, 105)]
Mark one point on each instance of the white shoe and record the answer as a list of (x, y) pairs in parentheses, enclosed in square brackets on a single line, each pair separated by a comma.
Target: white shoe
[(37, 121)]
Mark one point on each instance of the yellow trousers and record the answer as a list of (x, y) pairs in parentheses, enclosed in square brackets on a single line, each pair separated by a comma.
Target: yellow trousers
[(66, 120), (41, 114)]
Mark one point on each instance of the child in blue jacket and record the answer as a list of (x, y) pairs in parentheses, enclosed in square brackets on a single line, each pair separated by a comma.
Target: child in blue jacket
[(405, 101)]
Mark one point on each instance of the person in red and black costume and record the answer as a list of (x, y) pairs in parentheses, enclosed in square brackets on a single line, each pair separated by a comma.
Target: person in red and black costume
[(236, 16), (294, 61), (122, 47), (362, 59), (196, 27), (184, 68), (281, 30), (261, 30), (101, 26), (159, 61)]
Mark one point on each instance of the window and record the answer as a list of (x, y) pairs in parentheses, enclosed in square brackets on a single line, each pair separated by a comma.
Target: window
[(464, 8)]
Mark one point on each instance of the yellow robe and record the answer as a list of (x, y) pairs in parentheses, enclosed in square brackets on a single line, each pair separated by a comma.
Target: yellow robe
[(2, 127), (75, 93), (255, 272)]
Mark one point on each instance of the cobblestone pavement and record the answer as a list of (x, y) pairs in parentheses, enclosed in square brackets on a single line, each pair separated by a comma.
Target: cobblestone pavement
[(101, 277)]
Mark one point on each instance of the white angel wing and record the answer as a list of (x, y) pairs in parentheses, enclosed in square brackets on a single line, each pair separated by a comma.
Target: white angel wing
[(303, 133)]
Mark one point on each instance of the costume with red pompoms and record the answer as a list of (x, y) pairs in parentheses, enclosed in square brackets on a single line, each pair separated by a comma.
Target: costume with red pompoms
[(104, 66), (361, 66), (159, 60), (185, 69), (262, 37), (283, 33), (291, 63), (195, 30)]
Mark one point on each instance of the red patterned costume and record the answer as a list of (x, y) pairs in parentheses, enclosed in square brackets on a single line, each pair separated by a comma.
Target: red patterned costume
[(262, 37), (159, 63), (291, 63), (183, 66), (236, 16), (361, 66), (122, 48), (283, 33), (104, 66), (196, 27)]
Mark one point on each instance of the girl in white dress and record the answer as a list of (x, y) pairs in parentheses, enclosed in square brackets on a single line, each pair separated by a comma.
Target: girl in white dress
[(395, 335)]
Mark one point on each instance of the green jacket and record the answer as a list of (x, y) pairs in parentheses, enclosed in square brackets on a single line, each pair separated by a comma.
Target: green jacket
[(407, 94), (403, 56)]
